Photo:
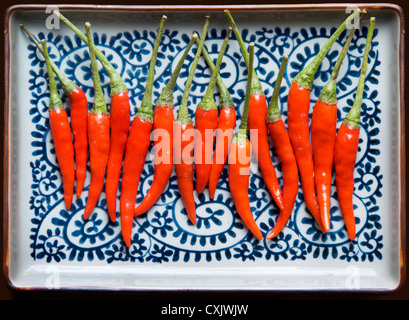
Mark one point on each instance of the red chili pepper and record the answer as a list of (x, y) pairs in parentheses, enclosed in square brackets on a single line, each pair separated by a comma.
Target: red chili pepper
[(224, 135), (98, 134), (137, 147), (206, 122), (257, 123), (120, 121), (298, 125), (184, 140), (183, 144), (135, 154), (163, 120), (323, 132), (79, 120), (79, 115), (61, 134), (285, 152), (239, 161), (224, 131), (346, 146)]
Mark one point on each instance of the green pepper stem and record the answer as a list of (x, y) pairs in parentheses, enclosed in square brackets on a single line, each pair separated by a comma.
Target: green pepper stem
[(305, 77), (146, 110), (208, 103), (226, 101), (183, 113), (256, 87), (328, 93), (273, 112), (353, 116), (55, 100), (117, 84), (337, 67), (67, 85), (243, 124), (99, 106), (166, 97)]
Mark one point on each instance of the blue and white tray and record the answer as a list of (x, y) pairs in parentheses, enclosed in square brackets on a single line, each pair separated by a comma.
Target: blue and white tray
[(47, 246)]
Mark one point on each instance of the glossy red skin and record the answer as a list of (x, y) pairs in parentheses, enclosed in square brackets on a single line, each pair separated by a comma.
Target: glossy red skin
[(323, 132), (79, 125), (64, 151), (224, 135), (206, 122), (285, 152), (98, 139), (163, 119), (346, 148), (137, 147), (120, 122), (257, 121), (239, 173), (184, 167), (299, 133)]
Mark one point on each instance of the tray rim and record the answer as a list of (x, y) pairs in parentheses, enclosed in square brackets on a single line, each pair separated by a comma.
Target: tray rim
[(178, 8)]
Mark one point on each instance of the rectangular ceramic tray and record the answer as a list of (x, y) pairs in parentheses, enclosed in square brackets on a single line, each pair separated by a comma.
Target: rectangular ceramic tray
[(47, 246)]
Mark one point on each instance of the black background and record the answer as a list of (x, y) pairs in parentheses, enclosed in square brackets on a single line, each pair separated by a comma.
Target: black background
[(262, 299)]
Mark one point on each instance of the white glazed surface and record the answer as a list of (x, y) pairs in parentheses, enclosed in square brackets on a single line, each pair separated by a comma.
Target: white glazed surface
[(219, 253)]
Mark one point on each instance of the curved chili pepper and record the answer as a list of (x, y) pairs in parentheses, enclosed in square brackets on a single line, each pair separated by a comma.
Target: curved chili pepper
[(137, 147), (163, 119), (206, 122), (257, 123), (224, 136), (285, 152), (183, 143), (135, 154), (184, 140), (120, 121), (239, 161), (346, 146), (298, 125), (323, 132), (224, 131), (79, 115), (120, 117), (79, 120), (98, 134), (61, 134)]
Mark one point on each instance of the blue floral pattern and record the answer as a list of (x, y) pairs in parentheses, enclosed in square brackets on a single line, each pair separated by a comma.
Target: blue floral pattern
[(164, 234)]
